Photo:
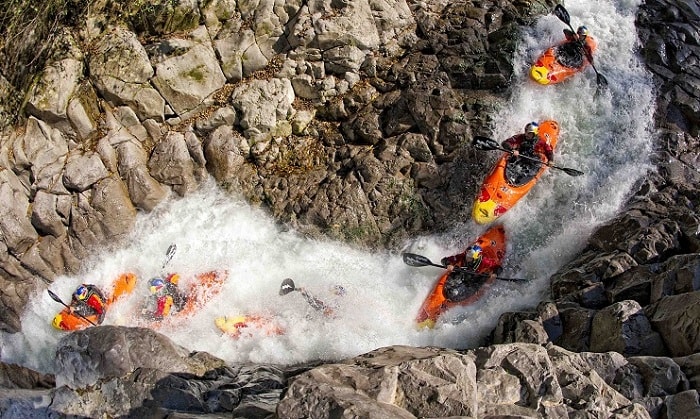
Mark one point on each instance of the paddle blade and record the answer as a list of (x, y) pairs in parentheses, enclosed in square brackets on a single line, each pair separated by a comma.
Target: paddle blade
[(412, 259), (55, 297), (169, 254), (602, 81), (571, 172), (287, 286), (562, 14), (485, 143)]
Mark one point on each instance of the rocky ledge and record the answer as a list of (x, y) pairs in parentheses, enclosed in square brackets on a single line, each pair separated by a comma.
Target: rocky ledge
[(370, 113)]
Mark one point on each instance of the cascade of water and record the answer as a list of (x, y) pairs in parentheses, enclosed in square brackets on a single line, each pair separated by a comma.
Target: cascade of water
[(608, 136)]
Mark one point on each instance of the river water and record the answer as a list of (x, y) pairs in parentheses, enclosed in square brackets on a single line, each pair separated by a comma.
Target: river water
[(607, 135)]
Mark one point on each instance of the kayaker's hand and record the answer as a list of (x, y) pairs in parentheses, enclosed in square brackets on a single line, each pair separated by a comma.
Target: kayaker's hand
[(515, 153)]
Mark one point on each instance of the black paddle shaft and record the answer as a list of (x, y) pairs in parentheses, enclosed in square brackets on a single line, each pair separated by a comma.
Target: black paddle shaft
[(57, 299), (563, 15), (412, 259), (488, 144)]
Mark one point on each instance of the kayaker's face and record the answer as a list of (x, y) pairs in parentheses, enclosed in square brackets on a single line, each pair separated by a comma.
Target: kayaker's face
[(530, 135)]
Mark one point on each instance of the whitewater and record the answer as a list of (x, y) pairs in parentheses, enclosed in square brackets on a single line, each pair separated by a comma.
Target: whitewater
[(607, 134)]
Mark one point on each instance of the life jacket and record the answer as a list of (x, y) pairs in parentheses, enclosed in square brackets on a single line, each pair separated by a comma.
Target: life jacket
[(570, 54), (84, 308), (461, 285), (178, 298)]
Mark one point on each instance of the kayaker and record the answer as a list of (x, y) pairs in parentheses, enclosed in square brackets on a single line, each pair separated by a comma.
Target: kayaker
[(472, 258), (572, 52), (316, 303), (88, 300), (164, 299), (460, 284), (529, 143)]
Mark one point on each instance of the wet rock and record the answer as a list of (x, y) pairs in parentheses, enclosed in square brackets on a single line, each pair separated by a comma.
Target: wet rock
[(623, 327), (13, 376), (676, 319)]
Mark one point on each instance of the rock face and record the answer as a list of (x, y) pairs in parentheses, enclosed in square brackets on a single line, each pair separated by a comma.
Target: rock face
[(317, 107)]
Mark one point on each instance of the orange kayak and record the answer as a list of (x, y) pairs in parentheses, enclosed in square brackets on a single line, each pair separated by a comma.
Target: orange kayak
[(558, 63), (245, 326), (199, 291), (122, 286), (503, 186), (493, 244)]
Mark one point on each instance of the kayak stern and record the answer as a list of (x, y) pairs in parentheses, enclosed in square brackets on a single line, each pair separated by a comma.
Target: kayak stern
[(487, 210), (58, 322), (539, 74)]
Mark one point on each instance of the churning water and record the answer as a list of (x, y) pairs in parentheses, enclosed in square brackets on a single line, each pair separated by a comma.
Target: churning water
[(607, 135)]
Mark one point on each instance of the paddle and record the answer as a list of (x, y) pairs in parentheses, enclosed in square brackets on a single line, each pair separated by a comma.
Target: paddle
[(412, 259), (57, 299), (169, 255), (288, 286), (563, 15), (488, 144)]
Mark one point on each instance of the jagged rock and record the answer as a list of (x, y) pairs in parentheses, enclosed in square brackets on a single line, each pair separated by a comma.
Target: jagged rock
[(145, 192), (18, 234), (42, 150), (682, 405), (50, 213), (225, 154), (13, 376), (188, 72), (15, 290), (240, 54), (262, 104), (661, 376), (623, 327), (83, 110), (398, 382), (50, 97), (171, 164), (85, 357), (103, 213), (125, 85), (82, 171), (676, 319)]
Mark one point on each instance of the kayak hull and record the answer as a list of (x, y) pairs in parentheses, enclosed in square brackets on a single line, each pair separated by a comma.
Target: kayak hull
[(496, 195), (122, 286), (493, 244), (548, 70), (248, 325)]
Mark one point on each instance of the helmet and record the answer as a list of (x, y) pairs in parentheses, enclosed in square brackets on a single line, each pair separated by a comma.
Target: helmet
[(532, 127), (473, 253), (582, 31), (339, 290), (156, 284), (81, 292)]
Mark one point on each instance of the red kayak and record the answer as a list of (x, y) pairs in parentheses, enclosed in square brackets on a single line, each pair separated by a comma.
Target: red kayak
[(507, 183), (493, 245), (560, 62)]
